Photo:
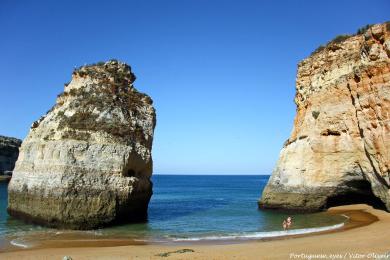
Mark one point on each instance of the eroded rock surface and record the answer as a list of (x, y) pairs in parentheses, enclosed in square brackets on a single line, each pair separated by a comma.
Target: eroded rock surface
[(9, 151), (339, 148), (87, 162)]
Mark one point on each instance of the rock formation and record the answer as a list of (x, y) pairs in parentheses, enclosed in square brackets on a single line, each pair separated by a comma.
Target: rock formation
[(87, 163), (9, 150), (339, 148)]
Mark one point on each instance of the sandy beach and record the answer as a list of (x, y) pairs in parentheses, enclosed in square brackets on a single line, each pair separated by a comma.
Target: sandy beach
[(363, 237)]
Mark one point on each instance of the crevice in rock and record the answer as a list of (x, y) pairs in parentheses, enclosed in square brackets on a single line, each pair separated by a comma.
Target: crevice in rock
[(130, 173), (329, 132), (378, 176), (356, 78), (288, 142), (361, 132)]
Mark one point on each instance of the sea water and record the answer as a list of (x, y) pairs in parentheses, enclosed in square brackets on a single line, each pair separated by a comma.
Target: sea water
[(187, 208)]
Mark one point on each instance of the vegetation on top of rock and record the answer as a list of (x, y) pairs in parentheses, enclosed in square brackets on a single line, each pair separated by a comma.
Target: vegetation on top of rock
[(108, 104), (108, 99), (339, 38), (10, 140), (9, 145), (336, 40), (363, 29), (319, 48), (111, 70), (342, 37)]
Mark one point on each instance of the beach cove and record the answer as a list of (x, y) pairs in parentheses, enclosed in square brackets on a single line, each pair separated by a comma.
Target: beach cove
[(184, 209), (363, 237)]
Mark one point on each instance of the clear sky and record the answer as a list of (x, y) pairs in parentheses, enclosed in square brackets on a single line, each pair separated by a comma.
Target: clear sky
[(221, 73)]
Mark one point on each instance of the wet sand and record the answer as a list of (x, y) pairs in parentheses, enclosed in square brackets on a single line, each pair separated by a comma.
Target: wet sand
[(362, 237)]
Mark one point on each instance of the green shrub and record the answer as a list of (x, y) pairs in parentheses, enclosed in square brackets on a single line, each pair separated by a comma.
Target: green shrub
[(336, 40), (319, 48), (340, 38), (363, 29)]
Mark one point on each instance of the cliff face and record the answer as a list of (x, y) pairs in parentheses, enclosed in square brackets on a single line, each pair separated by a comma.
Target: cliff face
[(87, 162), (339, 149), (9, 150)]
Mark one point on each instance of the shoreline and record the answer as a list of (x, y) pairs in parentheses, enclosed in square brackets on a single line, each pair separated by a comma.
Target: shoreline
[(362, 233)]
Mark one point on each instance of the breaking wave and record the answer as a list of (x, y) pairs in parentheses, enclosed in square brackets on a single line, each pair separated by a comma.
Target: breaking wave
[(260, 235)]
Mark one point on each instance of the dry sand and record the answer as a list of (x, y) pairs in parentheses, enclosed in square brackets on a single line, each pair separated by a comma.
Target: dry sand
[(366, 236)]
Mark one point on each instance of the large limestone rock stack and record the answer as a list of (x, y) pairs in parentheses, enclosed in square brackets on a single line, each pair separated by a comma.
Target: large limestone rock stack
[(87, 162), (9, 151), (339, 148)]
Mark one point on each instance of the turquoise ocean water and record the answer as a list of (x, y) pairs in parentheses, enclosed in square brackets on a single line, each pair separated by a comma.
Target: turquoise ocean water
[(186, 208)]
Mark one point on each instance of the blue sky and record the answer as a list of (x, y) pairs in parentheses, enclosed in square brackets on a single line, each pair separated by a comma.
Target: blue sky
[(221, 73)]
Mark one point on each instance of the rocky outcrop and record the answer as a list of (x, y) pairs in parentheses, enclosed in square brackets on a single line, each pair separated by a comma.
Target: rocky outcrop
[(9, 151), (87, 163), (339, 148)]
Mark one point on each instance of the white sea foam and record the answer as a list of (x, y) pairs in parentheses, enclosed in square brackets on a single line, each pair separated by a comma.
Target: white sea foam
[(151, 240), (19, 243), (259, 235)]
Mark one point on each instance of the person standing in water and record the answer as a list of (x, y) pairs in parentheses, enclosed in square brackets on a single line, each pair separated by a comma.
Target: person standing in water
[(289, 222), (284, 225)]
